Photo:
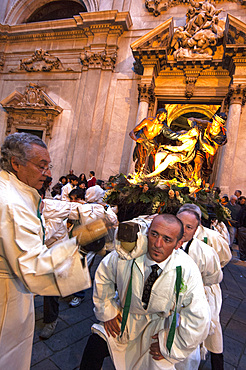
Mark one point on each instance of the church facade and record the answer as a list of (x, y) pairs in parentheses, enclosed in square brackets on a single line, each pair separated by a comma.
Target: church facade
[(83, 74)]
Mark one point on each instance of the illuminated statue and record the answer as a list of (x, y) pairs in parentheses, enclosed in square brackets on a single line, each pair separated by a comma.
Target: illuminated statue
[(168, 155), (210, 139), (145, 134)]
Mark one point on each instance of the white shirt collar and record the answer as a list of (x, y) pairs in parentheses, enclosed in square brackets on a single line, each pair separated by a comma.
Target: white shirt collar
[(149, 262)]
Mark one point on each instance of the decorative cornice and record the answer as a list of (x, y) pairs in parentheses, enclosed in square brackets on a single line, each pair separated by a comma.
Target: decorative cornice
[(104, 59), (76, 27), (40, 61)]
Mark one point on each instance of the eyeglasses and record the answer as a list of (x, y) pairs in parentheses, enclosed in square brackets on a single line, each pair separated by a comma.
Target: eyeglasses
[(42, 169)]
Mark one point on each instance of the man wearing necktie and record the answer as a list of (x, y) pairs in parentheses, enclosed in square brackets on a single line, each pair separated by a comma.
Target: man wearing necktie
[(159, 314)]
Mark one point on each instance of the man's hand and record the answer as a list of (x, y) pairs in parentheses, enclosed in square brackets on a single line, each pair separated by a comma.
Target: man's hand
[(140, 140), (112, 326), (155, 349)]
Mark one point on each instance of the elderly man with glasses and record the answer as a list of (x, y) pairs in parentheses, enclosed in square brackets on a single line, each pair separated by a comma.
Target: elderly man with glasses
[(26, 265)]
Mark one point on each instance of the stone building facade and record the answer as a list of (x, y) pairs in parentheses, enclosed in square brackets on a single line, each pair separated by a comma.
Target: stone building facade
[(82, 74)]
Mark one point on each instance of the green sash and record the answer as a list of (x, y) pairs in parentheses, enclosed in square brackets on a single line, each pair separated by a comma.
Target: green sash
[(174, 321), (127, 303), (39, 216)]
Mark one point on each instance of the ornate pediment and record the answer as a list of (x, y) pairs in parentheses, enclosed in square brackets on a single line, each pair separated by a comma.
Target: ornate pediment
[(32, 110), (154, 44), (235, 31), (40, 61), (235, 47), (156, 39), (33, 98)]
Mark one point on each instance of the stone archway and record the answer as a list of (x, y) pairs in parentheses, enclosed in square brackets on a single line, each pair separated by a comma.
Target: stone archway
[(23, 9), (177, 110)]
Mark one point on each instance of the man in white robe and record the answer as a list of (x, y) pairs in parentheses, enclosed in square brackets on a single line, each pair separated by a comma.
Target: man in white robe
[(208, 263), (27, 266), (143, 344), (194, 229)]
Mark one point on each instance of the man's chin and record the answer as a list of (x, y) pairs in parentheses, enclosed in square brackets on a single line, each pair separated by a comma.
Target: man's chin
[(157, 257), (39, 185)]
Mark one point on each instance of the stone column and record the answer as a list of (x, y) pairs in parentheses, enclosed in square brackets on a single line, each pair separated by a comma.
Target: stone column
[(145, 96), (236, 96)]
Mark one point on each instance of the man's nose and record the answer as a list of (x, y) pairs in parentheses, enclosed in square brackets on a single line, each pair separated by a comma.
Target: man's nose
[(159, 241), (48, 172)]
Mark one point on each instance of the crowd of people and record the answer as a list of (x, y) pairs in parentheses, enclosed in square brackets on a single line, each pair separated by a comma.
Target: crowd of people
[(236, 225), (156, 293)]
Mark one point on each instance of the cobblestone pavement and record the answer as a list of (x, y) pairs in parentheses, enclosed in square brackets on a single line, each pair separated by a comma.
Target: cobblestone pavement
[(63, 350)]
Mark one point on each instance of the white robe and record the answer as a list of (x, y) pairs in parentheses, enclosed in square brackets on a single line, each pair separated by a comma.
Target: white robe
[(66, 189), (215, 240), (27, 266), (214, 341), (132, 350), (208, 263)]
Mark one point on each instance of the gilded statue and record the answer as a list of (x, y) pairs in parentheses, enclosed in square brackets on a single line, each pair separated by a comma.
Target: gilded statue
[(145, 134), (168, 155), (195, 147)]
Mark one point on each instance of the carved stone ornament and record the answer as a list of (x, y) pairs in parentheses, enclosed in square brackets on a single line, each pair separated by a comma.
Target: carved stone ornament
[(157, 6), (146, 93), (190, 86), (236, 95), (2, 60), (200, 35), (40, 61), (33, 110), (99, 59)]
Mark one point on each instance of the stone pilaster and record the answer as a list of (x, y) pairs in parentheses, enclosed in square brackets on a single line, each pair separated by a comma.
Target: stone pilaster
[(236, 98), (144, 97)]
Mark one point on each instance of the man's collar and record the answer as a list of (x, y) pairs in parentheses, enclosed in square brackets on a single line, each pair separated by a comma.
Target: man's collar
[(149, 262)]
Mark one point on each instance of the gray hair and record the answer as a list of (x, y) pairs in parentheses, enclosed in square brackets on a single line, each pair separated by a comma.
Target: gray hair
[(18, 145), (193, 209)]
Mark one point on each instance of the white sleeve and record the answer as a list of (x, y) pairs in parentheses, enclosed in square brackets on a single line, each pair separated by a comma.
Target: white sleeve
[(38, 267), (106, 307)]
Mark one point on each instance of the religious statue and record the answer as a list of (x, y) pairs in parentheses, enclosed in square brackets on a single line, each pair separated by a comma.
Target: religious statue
[(145, 134), (193, 154), (210, 139), (168, 155), (200, 33)]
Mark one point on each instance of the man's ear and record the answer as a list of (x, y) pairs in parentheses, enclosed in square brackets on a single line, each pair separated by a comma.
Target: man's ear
[(15, 163), (179, 244)]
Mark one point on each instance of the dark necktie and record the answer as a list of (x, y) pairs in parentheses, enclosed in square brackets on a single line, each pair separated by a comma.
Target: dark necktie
[(188, 246), (148, 284)]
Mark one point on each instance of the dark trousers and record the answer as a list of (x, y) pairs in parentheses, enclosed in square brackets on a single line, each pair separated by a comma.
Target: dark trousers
[(217, 361), (51, 309), (242, 243), (94, 354)]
